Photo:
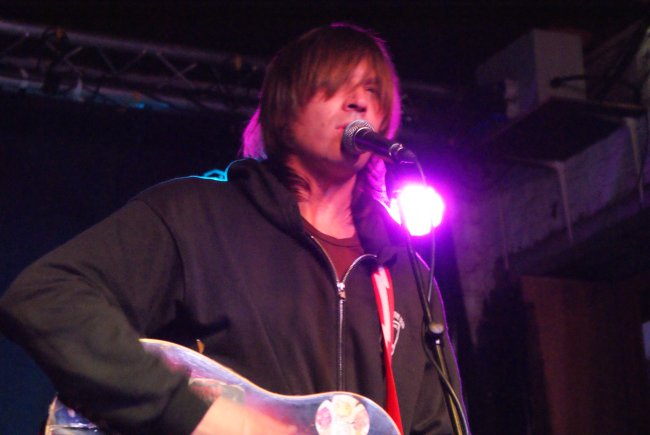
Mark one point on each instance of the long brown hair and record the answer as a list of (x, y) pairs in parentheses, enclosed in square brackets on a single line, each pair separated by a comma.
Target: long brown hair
[(321, 59)]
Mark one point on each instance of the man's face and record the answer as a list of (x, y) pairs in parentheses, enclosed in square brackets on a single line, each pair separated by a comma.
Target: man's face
[(318, 127)]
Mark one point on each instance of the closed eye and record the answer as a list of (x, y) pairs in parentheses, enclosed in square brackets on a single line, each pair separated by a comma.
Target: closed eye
[(372, 89)]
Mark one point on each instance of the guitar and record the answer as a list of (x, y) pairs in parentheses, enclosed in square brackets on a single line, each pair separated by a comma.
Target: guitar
[(333, 413)]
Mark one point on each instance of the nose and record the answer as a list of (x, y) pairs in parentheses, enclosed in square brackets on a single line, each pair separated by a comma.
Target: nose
[(356, 101)]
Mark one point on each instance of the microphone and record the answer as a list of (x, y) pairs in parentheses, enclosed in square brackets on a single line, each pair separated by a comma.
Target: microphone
[(359, 136)]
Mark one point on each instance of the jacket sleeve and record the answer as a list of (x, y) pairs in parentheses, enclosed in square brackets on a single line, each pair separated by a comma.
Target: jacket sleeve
[(431, 413), (80, 309)]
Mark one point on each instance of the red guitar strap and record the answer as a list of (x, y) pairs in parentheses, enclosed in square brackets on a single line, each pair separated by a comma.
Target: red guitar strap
[(385, 305)]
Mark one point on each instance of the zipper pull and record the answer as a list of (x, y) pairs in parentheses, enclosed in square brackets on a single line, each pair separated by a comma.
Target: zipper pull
[(341, 289)]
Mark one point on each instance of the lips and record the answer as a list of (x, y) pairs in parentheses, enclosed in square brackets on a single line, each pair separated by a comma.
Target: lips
[(342, 126)]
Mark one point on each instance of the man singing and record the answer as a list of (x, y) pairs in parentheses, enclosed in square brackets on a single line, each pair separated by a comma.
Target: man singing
[(274, 271)]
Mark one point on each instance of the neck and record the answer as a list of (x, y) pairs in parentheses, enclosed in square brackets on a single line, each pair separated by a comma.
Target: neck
[(327, 204)]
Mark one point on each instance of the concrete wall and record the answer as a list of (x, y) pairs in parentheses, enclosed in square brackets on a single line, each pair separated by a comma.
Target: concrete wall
[(526, 207)]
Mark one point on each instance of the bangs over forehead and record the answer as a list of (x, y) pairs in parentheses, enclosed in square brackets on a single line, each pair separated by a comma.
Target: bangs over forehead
[(331, 59)]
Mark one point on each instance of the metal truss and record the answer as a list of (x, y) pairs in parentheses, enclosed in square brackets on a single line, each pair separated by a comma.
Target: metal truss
[(54, 62)]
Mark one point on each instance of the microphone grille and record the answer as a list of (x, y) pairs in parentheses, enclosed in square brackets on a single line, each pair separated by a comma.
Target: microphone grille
[(351, 130)]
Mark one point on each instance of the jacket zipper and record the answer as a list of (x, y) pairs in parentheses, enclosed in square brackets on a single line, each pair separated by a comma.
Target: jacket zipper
[(341, 297)]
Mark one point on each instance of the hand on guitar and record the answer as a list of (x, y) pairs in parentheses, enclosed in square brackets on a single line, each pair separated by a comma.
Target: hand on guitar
[(324, 412), (230, 418)]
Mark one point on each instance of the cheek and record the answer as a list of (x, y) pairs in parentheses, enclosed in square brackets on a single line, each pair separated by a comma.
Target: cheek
[(312, 120), (305, 134), (375, 116), (376, 123)]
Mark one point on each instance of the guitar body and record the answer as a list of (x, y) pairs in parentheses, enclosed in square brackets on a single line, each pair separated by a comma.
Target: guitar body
[(334, 413)]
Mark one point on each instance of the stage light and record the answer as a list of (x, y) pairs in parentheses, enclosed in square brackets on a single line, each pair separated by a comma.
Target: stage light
[(422, 208)]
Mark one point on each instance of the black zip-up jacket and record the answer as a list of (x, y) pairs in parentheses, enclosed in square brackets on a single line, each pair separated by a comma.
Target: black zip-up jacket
[(228, 263)]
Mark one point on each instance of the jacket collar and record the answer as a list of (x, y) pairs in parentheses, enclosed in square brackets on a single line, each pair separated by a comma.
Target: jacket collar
[(379, 233), (265, 191)]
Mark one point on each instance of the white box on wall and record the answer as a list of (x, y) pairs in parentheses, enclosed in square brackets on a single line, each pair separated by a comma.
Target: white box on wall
[(527, 66)]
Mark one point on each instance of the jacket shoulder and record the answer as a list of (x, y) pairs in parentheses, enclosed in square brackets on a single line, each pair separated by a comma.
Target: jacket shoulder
[(183, 189)]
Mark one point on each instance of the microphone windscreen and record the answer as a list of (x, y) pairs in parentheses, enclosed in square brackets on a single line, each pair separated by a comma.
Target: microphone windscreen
[(352, 129)]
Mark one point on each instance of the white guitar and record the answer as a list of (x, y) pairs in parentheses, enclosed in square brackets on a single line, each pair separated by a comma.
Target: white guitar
[(334, 413)]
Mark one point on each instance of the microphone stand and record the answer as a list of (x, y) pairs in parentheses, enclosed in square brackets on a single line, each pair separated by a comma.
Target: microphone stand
[(434, 332), (433, 336)]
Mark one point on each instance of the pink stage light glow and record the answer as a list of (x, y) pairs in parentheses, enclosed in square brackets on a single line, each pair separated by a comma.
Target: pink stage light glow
[(422, 208)]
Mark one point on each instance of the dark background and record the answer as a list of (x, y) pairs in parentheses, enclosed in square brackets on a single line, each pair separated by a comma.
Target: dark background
[(437, 41), (66, 165)]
